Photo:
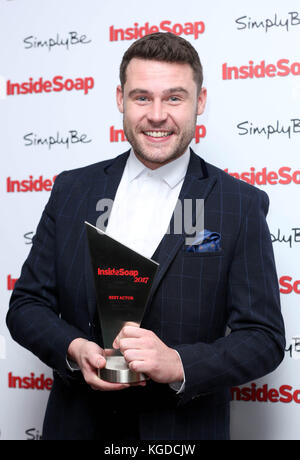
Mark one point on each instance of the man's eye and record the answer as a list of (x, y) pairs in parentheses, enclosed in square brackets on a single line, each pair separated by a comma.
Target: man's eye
[(174, 99), (142, 98)]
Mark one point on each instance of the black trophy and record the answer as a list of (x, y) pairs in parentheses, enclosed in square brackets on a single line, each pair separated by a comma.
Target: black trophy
[(123, 279)]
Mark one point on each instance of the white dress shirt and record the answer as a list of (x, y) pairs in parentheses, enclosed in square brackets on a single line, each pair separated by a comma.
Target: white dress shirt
[(144, 203)]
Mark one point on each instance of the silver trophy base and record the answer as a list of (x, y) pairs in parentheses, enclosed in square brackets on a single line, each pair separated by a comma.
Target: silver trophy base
[(117, 371)]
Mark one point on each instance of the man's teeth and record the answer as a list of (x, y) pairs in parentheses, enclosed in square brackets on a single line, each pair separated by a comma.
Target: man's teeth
[(158, 133)]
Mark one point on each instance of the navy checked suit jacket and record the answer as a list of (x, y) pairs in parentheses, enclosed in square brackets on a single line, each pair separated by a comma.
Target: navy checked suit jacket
[(195, 298)]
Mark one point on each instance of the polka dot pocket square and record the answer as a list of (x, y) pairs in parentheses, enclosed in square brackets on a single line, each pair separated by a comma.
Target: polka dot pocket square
[(205, 241)]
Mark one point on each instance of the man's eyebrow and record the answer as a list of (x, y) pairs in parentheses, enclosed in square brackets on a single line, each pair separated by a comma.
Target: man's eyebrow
[(135, 91), (177, 89)]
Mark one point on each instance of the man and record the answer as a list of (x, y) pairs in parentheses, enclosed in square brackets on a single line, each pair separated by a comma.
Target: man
[(200, 291)]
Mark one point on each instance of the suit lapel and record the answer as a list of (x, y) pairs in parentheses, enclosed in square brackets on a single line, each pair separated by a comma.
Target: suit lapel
[(197, 185), (104, 184)]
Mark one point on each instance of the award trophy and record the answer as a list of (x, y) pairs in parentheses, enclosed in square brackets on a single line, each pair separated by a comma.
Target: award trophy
[(123, 279)]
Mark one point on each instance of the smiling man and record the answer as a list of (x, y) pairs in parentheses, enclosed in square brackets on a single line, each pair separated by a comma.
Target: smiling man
[(228, 282)]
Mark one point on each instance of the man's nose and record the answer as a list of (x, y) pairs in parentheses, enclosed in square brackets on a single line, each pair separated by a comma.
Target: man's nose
[(157, 112)]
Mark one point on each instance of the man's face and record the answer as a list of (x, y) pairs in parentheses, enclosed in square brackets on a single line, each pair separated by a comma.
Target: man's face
[(160, 106)]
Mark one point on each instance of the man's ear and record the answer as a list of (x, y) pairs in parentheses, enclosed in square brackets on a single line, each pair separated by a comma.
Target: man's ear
[(201, 101), (120, 99)]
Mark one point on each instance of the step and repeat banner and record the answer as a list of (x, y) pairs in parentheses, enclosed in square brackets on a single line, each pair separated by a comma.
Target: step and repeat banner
[(59, 65)]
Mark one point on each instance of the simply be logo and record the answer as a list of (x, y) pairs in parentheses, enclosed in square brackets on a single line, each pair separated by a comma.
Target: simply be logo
[(286, 23), (268, 130), (59, 41), (290, 238), (33, 434), (293, 349), (68, 139)]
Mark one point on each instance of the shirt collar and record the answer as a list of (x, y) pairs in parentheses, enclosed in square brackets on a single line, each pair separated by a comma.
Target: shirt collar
[(172, 173)]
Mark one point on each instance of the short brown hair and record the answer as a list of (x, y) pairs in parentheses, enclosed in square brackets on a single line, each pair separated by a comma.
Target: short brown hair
[(165, 47)]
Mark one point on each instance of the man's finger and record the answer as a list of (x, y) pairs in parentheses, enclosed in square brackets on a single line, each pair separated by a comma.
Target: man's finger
[(129, 331), (97, 383), (135, 355), (96, 360), (139, 366), (128, 344), (131, 323), (101, 385)]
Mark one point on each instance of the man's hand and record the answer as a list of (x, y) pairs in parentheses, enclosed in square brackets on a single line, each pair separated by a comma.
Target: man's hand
[(90, 357), (145, 352)]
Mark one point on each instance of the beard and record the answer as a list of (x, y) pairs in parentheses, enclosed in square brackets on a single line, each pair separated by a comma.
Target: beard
[(160, 155)]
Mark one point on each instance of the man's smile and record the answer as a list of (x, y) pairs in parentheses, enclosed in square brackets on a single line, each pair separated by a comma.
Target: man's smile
[(158, 133), (158, 136)]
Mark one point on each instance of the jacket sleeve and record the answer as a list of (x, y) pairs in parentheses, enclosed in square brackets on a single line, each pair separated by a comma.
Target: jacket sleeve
[(255, 345), (34, 315)]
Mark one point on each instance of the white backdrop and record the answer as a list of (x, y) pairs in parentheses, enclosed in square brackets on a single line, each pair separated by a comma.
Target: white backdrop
[(58, 74)]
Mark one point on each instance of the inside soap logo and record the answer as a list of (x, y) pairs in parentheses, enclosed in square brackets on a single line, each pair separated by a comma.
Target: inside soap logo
[(29, 185), (282, 68), (195, 29), (188, 218), (265, 393), (283, 176), (30, 382), (56, 84), (288, 285)]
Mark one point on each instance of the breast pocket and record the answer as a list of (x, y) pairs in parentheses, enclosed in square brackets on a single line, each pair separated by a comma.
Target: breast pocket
[(202, 272)]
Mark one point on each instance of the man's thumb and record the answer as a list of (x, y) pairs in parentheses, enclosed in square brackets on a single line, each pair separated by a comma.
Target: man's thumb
[(98, 361)]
